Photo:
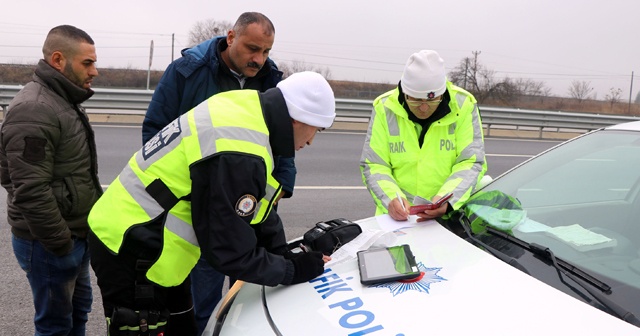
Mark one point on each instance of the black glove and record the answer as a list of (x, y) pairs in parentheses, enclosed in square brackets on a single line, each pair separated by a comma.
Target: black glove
[(307, 266)]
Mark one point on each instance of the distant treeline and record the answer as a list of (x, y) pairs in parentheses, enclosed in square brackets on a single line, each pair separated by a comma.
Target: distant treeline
[(19, 74)]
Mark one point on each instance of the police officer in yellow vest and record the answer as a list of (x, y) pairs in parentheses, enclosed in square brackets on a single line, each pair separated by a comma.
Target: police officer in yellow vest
[(203, 185), (424, 139)]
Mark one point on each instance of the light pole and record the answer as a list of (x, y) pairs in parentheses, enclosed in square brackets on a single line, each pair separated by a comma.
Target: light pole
[(150, 59)]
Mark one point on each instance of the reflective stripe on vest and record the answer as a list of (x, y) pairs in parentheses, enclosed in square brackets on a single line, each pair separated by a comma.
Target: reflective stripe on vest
[(386, 170), (209, 129)]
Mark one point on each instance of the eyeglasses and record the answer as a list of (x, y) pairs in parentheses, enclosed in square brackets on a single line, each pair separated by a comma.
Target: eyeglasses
[(418, 102)]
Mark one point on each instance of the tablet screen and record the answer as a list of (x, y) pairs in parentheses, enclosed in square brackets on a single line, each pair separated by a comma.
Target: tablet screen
[(386, 264)]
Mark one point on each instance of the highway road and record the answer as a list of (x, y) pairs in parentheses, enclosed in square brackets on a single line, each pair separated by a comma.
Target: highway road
[(328, 186)]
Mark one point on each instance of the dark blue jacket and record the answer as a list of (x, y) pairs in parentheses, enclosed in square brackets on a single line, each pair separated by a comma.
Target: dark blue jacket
[(193, 78)]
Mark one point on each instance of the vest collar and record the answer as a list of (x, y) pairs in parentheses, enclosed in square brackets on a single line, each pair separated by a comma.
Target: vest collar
[(278, 122)]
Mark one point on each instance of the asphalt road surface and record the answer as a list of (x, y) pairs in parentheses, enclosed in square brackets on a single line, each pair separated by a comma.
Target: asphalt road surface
[(328, 186)]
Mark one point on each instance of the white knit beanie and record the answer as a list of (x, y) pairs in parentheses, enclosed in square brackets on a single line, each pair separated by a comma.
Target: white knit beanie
[(424, 76), (309, 98)]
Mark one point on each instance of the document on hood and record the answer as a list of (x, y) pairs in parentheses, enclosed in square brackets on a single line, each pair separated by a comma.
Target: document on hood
[(363, 241)]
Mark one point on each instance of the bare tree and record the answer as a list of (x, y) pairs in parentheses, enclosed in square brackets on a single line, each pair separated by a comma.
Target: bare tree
[(580, 90), (529, 87), (206, 29), (468, 74), (613, 97), (482, 82)]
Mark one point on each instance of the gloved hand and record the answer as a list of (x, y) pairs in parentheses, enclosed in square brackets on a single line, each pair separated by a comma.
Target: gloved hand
[(307, 266)]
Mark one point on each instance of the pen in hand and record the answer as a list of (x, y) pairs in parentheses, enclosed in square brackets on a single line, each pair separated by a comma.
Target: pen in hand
[(402, 204)]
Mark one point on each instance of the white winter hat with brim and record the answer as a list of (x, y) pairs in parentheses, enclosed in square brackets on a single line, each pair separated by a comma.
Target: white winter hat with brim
[(309, 98), (424, 76)]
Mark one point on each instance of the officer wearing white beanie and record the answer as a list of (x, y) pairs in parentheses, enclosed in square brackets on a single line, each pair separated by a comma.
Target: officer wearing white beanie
[(424, 139), (222, 153), (424, 76), (309, 98)]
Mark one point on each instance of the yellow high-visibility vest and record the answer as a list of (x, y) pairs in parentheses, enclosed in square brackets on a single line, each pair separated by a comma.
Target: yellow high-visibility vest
[(156, 180), (451, 159)]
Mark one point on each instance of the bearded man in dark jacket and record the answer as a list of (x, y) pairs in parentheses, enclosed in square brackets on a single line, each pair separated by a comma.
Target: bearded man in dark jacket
[(48, 165)]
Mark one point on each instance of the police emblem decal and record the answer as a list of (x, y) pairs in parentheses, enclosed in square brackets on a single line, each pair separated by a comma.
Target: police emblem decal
[(246, 205), (431, 95), (423, 284)]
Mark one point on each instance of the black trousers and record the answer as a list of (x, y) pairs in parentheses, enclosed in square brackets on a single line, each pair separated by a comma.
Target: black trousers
[(117, 281)]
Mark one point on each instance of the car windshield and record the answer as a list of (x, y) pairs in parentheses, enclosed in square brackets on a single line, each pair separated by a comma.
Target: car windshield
[(581, 199)]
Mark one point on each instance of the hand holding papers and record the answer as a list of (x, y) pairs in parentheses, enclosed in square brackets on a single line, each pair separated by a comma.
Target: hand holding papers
[(427, 205)]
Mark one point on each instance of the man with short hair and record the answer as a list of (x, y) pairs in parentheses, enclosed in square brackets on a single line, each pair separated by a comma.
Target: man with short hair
[(202, 188), (236, 61), (424, 140), (49, 167)]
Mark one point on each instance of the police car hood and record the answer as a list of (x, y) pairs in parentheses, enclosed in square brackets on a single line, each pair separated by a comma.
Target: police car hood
[(464, 290)]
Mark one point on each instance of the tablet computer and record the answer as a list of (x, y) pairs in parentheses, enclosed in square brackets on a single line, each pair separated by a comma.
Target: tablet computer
[(387, 264)]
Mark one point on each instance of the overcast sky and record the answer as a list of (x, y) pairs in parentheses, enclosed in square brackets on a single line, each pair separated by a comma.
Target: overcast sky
[(553, 41)]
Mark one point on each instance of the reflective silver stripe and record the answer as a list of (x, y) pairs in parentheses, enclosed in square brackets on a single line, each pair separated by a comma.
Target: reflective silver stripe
[(374, 186), (477, 145), (181, 228), (392, 122), (475, 148), (367, 151), (368, 154), (452, 128), (136, 189), (270, 191), (205, 129), (469, 180), (209, 136), (242, 134), (460, 98)]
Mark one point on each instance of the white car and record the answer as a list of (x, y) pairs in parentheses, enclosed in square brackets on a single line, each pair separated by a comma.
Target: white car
[(552, 247)]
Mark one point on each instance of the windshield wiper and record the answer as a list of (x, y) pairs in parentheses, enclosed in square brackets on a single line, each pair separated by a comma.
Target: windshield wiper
[(464, 222), (622, 313), (560, 263), (574, 273)]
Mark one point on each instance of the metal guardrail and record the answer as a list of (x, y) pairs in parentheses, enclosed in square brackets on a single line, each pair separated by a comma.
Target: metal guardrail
[(129, 101)]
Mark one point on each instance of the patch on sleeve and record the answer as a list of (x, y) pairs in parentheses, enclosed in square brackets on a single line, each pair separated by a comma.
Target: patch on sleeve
[(246, 205), (34, 149)]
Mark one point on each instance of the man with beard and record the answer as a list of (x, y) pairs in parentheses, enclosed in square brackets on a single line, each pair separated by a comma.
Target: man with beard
[(48, 166)]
